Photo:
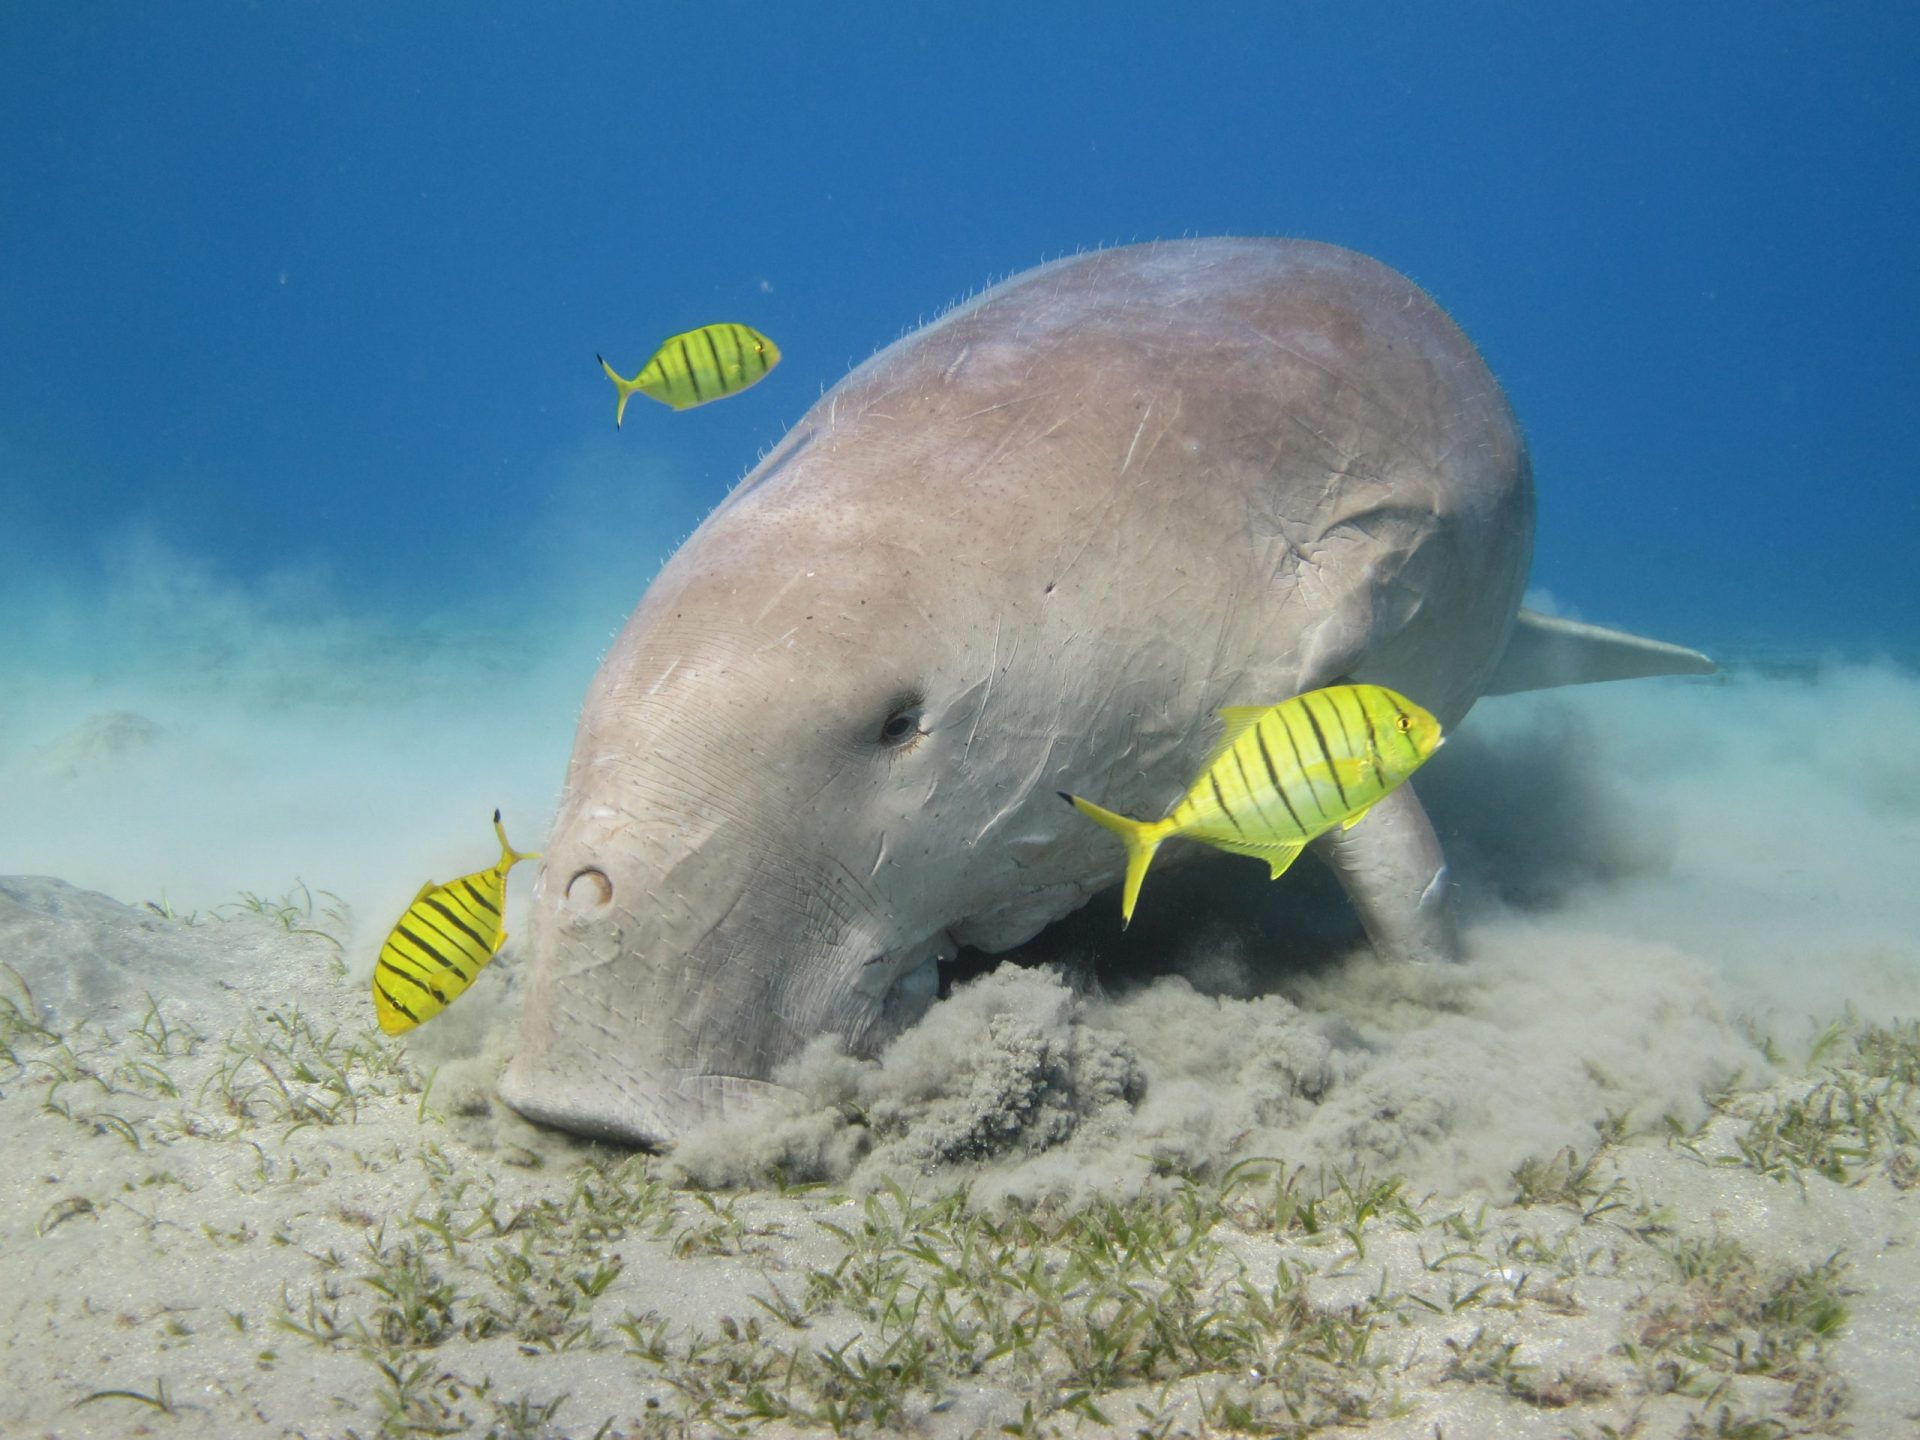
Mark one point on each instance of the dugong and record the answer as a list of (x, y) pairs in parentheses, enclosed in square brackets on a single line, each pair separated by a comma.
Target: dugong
[(1033, 547)]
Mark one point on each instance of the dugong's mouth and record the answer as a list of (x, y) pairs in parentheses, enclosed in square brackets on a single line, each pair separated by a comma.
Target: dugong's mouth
[(724, 1097), (651, 1122), (585, 1076)]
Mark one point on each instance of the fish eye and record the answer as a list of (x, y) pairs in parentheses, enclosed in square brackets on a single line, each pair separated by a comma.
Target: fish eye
[(1402, 722)]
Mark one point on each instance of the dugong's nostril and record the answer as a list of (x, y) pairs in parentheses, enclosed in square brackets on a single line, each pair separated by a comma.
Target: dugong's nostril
[(589, 888)]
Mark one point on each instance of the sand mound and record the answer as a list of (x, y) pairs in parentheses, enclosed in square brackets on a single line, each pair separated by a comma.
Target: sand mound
[(86, 957)]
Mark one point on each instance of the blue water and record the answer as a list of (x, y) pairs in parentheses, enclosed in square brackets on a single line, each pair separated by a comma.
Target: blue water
[(301, 302), (297, 285)]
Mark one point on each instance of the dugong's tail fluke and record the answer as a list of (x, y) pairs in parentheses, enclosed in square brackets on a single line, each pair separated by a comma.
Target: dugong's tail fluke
[(1545, 651), (1141, 837)]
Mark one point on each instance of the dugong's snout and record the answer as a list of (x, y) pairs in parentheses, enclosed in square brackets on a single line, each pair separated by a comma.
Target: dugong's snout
[(663, 993), (584, 1063), (618, 1040)]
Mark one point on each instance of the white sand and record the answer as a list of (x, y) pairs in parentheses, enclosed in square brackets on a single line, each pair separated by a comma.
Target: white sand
[(160, 1244)]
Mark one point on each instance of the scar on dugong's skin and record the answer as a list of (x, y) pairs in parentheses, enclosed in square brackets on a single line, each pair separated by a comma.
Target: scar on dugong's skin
[(1033, 547)]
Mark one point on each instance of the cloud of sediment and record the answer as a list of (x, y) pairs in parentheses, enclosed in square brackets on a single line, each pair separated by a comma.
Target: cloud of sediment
[(1657, 879)]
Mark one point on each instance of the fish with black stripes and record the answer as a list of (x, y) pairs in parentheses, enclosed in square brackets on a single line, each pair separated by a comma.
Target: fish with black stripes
[(705, 364), (445, 939), (1283, 774)]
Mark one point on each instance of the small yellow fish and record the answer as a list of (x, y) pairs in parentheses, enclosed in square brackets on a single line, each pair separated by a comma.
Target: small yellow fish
[(705, 364), (1283, 774), (446, 938)]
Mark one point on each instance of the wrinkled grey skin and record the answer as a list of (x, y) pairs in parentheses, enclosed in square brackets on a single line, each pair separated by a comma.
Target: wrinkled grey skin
[(1049, 536)]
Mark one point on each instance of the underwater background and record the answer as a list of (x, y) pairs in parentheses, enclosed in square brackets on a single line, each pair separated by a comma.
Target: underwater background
[(313, 518), (315, 523)]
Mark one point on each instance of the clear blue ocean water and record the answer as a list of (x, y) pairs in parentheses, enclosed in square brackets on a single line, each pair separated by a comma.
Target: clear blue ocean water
[(313, 519)]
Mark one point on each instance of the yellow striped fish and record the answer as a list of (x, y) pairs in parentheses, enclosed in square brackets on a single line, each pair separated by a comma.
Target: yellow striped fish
[(1283, 774), (705, 364), (447, 936)]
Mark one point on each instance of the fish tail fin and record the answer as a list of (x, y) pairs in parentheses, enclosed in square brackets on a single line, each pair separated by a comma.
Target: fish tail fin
[(625, 387), (509, 857), (1141, 837)]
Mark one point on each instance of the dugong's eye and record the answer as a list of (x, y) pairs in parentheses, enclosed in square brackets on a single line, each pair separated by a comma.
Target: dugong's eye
[(901, 727)]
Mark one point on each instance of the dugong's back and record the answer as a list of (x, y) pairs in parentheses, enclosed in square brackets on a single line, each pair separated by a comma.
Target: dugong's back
[(1287, 454)]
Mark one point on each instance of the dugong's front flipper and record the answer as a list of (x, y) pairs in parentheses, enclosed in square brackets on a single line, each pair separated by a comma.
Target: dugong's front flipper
[(1391, 864), (1394, 872)]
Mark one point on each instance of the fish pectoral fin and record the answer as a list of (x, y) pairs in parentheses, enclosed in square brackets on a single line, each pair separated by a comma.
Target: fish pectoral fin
[(1341, 777), (1238, 719)]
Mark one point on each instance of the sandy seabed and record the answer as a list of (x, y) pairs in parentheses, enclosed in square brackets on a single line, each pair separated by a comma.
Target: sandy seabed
[(1648, 1164)]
